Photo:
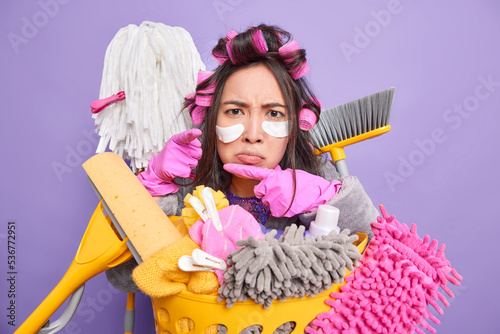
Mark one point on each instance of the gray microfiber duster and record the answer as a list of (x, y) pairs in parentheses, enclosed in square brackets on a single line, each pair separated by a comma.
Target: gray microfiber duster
[(293, 266)]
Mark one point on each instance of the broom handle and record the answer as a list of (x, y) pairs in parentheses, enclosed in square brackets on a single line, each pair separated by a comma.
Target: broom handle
[(337, 149), (341, 167), (338, 156)]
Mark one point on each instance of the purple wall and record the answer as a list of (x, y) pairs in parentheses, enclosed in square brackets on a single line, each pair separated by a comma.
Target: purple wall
[(435, 168)]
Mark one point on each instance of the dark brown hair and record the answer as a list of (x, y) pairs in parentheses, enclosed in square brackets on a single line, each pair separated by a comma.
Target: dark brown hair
[(299, 153)]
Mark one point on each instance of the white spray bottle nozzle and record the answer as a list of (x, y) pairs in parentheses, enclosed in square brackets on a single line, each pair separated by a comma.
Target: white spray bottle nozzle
[(326, 221)]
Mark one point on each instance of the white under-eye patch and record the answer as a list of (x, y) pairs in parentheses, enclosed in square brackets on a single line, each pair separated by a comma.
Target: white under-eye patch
[(276, 129), (230, 133)]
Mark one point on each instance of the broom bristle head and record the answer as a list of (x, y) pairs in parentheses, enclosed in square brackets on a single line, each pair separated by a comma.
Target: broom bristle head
[(353, 118)]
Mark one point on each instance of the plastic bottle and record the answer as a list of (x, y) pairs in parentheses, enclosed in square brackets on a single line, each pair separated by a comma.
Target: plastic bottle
[(326, 221)]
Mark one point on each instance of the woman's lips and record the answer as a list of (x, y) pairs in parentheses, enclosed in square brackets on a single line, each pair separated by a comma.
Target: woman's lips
[(249, 159)]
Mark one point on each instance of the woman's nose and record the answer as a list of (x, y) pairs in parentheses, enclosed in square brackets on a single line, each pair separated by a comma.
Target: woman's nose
[(253, 130)]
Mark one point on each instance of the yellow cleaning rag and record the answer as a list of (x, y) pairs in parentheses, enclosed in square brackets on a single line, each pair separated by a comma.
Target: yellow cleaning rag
[(159, 276), (190, 215)]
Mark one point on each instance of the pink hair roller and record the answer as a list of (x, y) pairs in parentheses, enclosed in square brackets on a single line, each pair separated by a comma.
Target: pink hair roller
[(307, 119), (285, 51), (229, 37), (197, 115), (299, 71), (317, 101), (218, 59), (229, 53), (288, 48), (209, 90), (202, 76), (203, 100), (259, 41)]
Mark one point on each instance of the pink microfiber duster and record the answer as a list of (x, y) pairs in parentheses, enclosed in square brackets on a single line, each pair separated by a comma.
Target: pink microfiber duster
[(399, 275)]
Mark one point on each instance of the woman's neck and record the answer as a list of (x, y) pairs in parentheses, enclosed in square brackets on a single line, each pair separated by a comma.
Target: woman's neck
[(243, 187)]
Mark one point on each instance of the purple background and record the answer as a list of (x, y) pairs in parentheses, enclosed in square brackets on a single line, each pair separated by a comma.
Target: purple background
[(435, 54)]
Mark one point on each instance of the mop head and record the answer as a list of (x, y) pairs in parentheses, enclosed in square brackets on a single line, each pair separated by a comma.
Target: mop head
[(293, 266), (156, 66), (399, 275)]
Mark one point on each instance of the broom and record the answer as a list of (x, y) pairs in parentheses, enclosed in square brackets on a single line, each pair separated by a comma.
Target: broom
[(350, 123)]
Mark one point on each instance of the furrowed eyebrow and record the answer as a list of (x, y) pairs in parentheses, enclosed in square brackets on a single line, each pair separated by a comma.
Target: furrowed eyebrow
[(270, 105), (236, 103), (243, 104)]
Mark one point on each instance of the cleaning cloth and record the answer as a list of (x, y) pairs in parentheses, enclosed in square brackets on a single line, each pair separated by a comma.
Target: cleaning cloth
[(293, 266), (389, 292), (237, 224), (159, 276)]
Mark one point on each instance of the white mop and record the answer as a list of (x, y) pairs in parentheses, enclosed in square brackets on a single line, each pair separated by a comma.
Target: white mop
[(156, 66)]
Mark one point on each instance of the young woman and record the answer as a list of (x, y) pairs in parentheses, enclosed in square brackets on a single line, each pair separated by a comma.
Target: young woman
[(253, 113)]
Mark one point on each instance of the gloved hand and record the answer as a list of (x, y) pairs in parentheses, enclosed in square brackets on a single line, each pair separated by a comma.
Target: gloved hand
[(276, 188), (179, 156)]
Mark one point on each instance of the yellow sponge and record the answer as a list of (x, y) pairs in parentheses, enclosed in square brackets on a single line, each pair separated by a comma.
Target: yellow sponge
[(144, 222)]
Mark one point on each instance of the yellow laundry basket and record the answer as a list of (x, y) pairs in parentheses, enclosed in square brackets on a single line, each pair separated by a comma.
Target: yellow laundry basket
[(187, 312)]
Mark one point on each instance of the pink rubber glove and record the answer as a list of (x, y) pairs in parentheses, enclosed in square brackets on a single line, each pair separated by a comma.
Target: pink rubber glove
[(179, 156), (276, 188), (237, 224)]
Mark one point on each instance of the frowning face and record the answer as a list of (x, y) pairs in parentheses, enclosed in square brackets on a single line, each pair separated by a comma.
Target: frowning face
[(252, 119)]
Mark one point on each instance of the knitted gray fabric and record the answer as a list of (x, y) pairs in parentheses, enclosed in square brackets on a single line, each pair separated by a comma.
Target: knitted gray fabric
[(293, 266), (356, 208), (121, 277)]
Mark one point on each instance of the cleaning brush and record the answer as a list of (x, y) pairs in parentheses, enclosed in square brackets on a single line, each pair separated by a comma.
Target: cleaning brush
[(350, 123)]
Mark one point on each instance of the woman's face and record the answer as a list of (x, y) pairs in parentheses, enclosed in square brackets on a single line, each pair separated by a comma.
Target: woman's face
[(252, 119)]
